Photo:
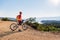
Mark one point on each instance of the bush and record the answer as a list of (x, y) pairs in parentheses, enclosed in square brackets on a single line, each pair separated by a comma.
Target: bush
[(58, 29), (47, 28), (41, 27), (35, 25), (52, 28), (5, 19)]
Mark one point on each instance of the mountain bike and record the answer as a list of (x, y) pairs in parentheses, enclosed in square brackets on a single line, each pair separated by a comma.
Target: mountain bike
[(14, 26)]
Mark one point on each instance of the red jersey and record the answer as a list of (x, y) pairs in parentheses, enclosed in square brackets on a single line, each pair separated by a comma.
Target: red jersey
[(19, 18)]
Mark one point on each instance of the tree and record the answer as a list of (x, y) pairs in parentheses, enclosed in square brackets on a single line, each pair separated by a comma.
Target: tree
[(31, 19)]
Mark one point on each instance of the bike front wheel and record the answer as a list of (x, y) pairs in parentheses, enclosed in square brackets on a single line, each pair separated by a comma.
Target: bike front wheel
[(24, 27)]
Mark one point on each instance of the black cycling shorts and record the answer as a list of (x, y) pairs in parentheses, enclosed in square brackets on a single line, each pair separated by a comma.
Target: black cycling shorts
[(19, 22)]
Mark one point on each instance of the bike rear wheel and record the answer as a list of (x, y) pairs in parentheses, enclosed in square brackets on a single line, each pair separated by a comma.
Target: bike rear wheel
[(13, 26)]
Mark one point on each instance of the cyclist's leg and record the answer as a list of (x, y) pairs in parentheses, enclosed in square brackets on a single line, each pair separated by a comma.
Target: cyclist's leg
[(19, 29), (20, 22)]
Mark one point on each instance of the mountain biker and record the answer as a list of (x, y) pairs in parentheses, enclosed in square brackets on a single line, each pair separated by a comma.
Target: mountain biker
[(19, 18), (19, 22)]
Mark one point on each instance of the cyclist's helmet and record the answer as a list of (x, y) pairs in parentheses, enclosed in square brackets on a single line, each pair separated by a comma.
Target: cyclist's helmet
[(20, 12)]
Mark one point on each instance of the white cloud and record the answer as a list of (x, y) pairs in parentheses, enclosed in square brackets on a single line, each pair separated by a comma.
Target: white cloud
[(54, 2)]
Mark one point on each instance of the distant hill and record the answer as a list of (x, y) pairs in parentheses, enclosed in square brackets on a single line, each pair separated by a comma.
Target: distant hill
[(9, 18), (48, 19), (40, 20)]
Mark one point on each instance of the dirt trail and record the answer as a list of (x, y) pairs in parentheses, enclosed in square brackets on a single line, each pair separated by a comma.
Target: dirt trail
[(30, 34)]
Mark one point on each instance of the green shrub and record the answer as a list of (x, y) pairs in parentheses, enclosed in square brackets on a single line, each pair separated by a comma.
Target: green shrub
[(5, 19), (52, 28), (47, 28), (58, 29), (41, 27), (35, 25)]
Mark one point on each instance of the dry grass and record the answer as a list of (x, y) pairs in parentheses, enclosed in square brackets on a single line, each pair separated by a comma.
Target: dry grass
[(7, 34)]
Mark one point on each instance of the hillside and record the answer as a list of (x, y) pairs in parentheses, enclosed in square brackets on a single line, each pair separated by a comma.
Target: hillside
[(30, 34)]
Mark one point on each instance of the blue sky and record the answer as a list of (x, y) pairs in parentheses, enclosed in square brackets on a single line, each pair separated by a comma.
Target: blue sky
[(30, 8)]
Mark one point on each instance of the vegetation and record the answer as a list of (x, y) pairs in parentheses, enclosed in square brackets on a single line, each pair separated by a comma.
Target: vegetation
[(42, 27), (5, 19)]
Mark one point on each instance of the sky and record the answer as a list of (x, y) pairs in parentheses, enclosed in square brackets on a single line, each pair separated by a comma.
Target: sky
[(30, 8)]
